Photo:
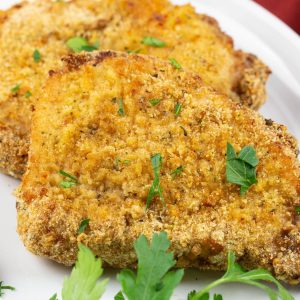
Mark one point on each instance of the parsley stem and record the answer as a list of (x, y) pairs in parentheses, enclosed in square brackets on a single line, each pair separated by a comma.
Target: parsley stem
[(208, 288)]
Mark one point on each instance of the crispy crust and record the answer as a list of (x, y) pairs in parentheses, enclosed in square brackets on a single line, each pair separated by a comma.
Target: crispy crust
[(76, 127), (196, 41)]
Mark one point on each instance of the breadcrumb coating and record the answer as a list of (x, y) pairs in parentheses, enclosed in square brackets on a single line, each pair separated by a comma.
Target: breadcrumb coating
[(194, 40), (76, 127)]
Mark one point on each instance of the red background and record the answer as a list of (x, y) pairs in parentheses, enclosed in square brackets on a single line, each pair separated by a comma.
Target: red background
[(287, 10)]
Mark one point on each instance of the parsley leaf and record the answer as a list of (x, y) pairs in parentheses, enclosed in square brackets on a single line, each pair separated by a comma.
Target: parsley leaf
[(54, 297), (36, 55), (177, 109), (16, 89), (177, 171), (67, 184), (78, 44), (83, 282), (154, 42), (5, 287), (241, 169), (153, 280), (119, 296), (155, 189), (121, 110), (84, 223), (175, 63), (235, 273), (154, 102), (297, 209)]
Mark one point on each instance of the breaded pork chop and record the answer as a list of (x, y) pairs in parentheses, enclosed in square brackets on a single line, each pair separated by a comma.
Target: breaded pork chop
[(101, 119), (195, 41)]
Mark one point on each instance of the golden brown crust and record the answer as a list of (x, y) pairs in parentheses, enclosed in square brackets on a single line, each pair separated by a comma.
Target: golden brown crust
[(251, 76), (195, 41), (77, 128)]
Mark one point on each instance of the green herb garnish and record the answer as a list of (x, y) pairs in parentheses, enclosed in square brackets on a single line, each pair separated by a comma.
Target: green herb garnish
[(54, 297), (241, 169), (175, 63), (28, 94), (121, 111), (235, 273), (36, 55), (83, 282), (5, 287), (297, 209), (134, 51), (177, 171), (78, 44), (67, 184), (177, 109), (154, 102), (16, 89), (153, 279), (84, 223), (119, 296), (155, 189), (154, 42)]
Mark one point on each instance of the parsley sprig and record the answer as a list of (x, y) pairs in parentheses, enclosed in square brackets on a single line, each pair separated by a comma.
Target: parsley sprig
[(241, 168), (68, 183), (78, 44), (153, 279), (83, 282), (235, 273), (155, 189), (5, 287)]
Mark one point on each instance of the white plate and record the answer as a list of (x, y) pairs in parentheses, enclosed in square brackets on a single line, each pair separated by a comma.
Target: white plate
[(253, 29)]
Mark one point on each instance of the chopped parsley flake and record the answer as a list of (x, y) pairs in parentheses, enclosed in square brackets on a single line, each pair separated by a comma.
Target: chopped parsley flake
[(155, 189), (16, 88), (36, 55), (154, 102), (241, 169), (121, 110), (84, 223), (78, 44), (175, 63), (177, 109), (154, 42), (177, 171), (28, 94), (68, 183), (297, 209), (134, 51)]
